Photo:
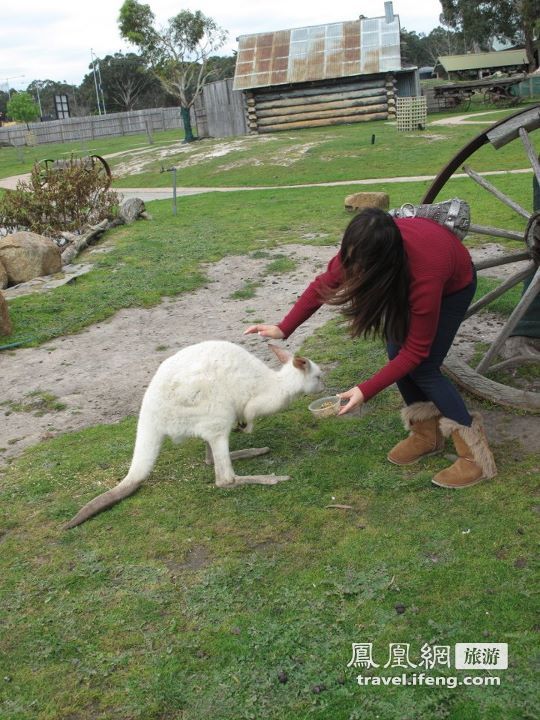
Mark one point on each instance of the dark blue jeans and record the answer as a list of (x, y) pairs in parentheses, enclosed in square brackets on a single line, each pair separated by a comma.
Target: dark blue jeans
[(426, 382)]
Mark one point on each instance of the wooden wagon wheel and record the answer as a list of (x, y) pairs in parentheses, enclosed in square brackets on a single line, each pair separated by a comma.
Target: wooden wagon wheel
[(44, 167), (516, 127), (104, 170)]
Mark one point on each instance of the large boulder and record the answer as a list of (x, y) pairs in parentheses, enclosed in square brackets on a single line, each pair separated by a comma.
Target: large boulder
[(367, 199), (5, 322), (3, 277), (26, 255)]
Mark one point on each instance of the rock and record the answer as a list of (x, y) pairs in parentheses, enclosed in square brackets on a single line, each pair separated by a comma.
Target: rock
[(367, 199), (3, 277), (26, 255), (130, 209), (5, 322)]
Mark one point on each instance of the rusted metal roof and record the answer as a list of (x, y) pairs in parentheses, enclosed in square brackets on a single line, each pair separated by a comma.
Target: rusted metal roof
[(319, 52)]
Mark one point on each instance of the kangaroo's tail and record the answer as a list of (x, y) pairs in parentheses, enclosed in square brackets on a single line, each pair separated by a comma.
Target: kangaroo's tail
[(146, 451)]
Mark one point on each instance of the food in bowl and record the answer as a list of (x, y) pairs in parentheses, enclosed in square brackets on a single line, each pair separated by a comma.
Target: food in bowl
[(326, 406)]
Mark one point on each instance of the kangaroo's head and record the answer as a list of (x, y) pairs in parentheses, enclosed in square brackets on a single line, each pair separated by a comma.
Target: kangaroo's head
[(310, 373)]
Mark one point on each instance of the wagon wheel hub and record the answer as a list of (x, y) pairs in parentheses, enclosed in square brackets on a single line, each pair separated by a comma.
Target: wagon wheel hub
[(532, 236)]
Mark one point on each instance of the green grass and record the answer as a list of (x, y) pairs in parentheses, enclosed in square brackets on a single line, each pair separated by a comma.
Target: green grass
[(280, 265), (154, 259), (38, 402), (16, 161), (246, 292), (186, 601), (326, 155)]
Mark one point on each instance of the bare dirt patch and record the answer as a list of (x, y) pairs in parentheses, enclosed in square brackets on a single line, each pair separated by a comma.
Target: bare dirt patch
[(100, 375), (195, 153)]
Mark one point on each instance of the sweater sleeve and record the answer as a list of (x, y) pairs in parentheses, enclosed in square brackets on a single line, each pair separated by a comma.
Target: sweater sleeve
[(425, 303), (310, 300)]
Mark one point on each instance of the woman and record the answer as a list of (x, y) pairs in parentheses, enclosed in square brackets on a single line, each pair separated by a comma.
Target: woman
[(410, 280)]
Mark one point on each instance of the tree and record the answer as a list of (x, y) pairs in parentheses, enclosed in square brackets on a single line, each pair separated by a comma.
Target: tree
[(126, 81), (22, 108), (414, 49), (47, 89), (420, 49), (513, 20), (178, 54), (4, 98)]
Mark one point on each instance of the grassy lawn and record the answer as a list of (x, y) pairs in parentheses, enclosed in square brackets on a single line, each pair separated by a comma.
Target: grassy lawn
[(152, 260), (325, 155), (190, 602), (186, 602), (347, 152), (16, 161)]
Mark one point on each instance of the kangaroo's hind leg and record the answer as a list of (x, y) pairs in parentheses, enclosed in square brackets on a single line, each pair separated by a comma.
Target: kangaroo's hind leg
[(236, 454), (225, 475)]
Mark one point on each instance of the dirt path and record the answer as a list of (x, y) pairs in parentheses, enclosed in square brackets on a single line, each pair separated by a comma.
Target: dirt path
[(100, 374)]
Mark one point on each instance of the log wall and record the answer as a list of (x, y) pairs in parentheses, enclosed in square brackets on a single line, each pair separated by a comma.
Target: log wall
[(346, 102)]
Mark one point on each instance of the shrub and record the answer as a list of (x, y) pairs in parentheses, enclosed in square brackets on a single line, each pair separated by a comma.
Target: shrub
[(59, 200)]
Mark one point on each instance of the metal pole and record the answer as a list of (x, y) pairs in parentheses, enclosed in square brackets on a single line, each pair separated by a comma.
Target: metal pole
[(174, 190), (95, 80), (101, 88), (13, 77), (39, 100)]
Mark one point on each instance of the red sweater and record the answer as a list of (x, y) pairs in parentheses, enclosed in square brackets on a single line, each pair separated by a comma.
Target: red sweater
[(439, 265)]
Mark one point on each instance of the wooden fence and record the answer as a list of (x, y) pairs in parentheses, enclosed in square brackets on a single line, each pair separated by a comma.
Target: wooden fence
[(220, 111), (92, 127)]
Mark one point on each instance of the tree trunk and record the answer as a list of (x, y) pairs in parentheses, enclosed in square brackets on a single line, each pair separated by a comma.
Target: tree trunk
[(529, 49), (186, 121)]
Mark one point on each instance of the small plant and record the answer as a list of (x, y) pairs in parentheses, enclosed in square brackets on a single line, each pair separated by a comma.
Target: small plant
[(281, 264), (39, 403), (58, 200), (248, 291)]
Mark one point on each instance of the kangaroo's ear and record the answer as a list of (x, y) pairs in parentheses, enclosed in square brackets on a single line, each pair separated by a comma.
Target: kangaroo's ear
[(282, 355), (300, 362)]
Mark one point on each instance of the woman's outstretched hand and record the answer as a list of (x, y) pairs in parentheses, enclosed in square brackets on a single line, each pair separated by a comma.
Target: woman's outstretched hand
[(355, 398), (269, 331)]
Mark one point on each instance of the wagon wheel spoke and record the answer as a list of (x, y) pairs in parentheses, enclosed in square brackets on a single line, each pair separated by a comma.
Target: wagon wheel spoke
[(496, 232), (531, 154), (496, 192), (526, 299), (516, 127), (500, 290), (502, 260), (517, 360)]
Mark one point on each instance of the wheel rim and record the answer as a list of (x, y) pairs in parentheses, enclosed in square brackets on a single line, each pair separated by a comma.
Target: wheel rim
[(517, 127)]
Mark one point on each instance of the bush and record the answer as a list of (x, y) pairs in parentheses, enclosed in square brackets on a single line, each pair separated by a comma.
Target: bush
[(59, 199)]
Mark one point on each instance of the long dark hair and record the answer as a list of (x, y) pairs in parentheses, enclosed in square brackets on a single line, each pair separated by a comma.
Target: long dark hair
[(375, 291)]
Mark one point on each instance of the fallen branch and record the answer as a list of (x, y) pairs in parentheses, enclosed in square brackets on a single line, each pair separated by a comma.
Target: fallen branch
[(82, 241)]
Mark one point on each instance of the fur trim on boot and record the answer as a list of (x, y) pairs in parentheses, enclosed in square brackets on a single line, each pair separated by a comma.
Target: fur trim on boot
[(425, 438), (475, 460), (418, 411)]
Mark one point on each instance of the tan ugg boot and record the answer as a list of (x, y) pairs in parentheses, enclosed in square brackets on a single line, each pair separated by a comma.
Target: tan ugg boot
[(425, 438), (475, 460)]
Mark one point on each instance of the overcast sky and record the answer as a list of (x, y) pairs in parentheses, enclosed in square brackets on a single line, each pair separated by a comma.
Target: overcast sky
[(52, 39)]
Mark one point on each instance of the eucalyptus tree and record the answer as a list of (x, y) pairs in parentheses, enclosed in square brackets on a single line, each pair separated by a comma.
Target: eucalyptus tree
[(177, 53)]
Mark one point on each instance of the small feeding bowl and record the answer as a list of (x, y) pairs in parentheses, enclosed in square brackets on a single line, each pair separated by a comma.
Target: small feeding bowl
[(326, 406)]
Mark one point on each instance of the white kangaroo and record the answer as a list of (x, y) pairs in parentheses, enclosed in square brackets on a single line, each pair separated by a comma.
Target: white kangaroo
[(205, 391)]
